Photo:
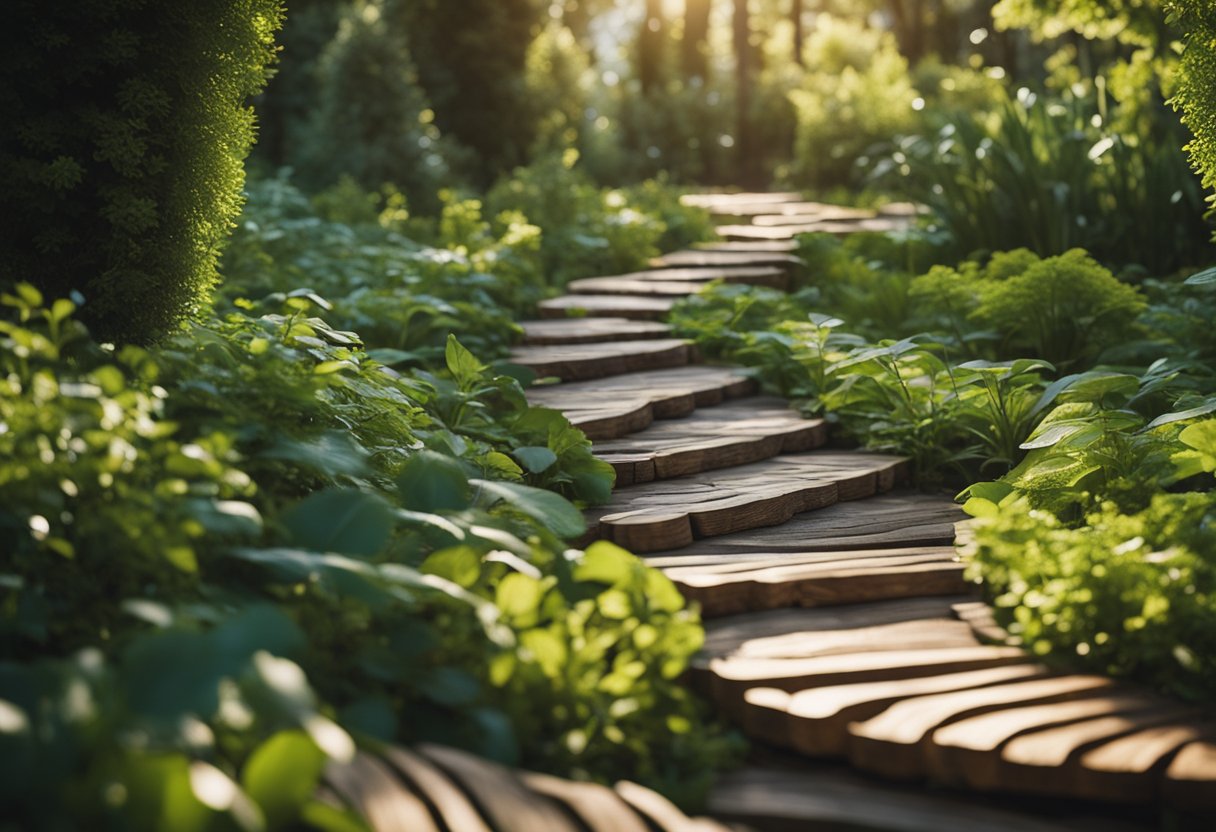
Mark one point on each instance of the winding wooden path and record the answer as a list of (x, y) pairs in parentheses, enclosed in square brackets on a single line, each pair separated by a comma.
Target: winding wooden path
[(841, 635)]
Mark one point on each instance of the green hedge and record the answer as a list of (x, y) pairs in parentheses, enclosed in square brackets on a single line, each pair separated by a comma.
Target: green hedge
[(122, 159)]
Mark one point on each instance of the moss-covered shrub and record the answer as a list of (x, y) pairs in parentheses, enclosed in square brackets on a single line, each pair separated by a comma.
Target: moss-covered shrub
[(125, 131)]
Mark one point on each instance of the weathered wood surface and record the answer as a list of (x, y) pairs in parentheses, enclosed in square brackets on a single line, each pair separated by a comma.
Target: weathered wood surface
[(590, 331), (751, 273), (674, 289), (716, 201), (750, 246), (610, 408), (666, 515), (701, 258), (811, 213), (736, 433), (789, 232), (579, 362), (634, 307)]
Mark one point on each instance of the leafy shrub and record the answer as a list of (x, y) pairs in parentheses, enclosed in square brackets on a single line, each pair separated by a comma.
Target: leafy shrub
[(122, 163), (1197, 80)]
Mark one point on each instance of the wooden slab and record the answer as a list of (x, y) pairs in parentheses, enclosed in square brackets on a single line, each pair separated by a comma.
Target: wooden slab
[(714, 201), (674, 289), (789, 232), (750, 246), (672, 513), (784, 799), (590, 331), (735, 433), (660, 813), (1133, 767), (599, 808), (1190, 780), (815, 722), (634, 307), (613, 407), (815, 579), (507, 805), (701, 258), (893, 520), (369, 787), (811, 213), (450, 805), (579, 362), (893, 743), (747, 273)]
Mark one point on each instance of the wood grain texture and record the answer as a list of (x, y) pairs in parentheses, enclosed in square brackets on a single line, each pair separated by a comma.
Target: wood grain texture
[(752, 246), (369, 787), (735, 433), (672, 513), (789, 232), (613, 407), (448, 803), (714, 201), (668, 289), (580, 362), (661, 813), (590, 331), (597, 807), (634, 307), (1132, 768), (700, 258)]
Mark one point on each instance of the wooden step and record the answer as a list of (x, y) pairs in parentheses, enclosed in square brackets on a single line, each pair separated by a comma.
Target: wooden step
[(674, 289), (772, 798), (750, 246), (836, 227), (713, 202), (902, 519), (814, 579), (666, 515), (590, 331), (1190, 781), (811, 213), (736, 433), (634, 307), (815, 722), (1132, 768), (579, 362), (681, 281), (700, 258), (371, 789), (661, 814), (613, 407), (893, 743)]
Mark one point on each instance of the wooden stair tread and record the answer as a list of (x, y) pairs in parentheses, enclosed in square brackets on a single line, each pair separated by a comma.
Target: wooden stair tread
[(369, 787), (661, 813), (610, 408), (694, 258), (634, 307), (747, 273), (892, 743), (750, 246), (774, 798), (667, 289), (1190, 780), (672, 513), (599, 808), (711, 201), (789, 232), (448, 802), (735, 433), (590, 331), (898, 519), (816, 721), (810, 213), (580, 362)]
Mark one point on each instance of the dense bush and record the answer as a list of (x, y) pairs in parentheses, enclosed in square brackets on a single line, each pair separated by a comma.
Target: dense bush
[(1197, 81), (125, 130)]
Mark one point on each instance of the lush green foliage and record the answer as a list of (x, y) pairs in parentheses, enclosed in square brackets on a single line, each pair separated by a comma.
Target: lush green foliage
[(1195, 96), (126, 127)]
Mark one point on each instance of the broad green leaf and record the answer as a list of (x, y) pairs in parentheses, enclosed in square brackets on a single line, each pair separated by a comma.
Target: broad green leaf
[(552, 510), (1182, 415), (282, 775), (431, 482), (342, 520), (606, 563), (460, 564), (334, 453), (462, 364), (518, 596), (536, 459), (1203, 278)]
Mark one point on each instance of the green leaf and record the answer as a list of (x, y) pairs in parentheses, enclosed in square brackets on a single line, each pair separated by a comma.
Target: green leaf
[(535, 459), (462, 364), (333, 453), (461, 565), (342, 520), (518, 595), (606, 563), (1182, 415), (551, 510), (1203, 278), (282, 775), (431, 482)]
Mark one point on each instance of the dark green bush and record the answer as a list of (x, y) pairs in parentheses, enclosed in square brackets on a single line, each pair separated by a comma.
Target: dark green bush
[(121, 156)]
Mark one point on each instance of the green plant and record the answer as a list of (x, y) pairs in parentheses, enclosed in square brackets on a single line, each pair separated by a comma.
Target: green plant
[(123, 161), (1194, 98)]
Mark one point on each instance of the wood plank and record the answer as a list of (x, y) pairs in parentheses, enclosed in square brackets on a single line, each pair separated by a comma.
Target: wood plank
[(712, 201), (580, 362), (669, 289), (599, 808), (450, 805), (781, 799), (499, 793), (789, 232), (1132, 768), (812, 213), (892, 520), (660, 813), (613, 407), (749, 273), (590, 331), (633, 307), (815, 722), (1190, 780), (664, 515), (369, 787), (702, 258), (752, 246), (893, 743), (736, 433)]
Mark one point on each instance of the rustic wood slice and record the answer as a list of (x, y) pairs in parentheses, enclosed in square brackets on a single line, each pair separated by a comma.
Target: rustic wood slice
[(968, 751), (667, 289), (752, 246), (613, 407), (660, 813), (983, 622), (450, 805), (1190, 780), (1132, 768), (700, 258), (893, 743), (598, 807), (736, 433), (815, 722), (580, 362), (893, 520), (789, 232), (827, 213), (590, 331), (903, 209), (749, 273), (370, 788), (780, 799), (672, 513), (499, 793), (712, 201), (634, 307), (818, 579)]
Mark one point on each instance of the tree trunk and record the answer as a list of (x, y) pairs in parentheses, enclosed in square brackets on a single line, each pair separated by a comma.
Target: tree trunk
[(744, 140), (694, 46), (650, 46), (799, 35)]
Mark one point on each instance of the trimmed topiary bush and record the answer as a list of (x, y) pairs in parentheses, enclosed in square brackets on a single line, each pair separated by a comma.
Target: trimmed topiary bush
[(126, 127)]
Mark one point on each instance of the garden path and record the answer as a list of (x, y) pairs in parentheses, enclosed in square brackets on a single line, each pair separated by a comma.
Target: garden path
[(839, 623)]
